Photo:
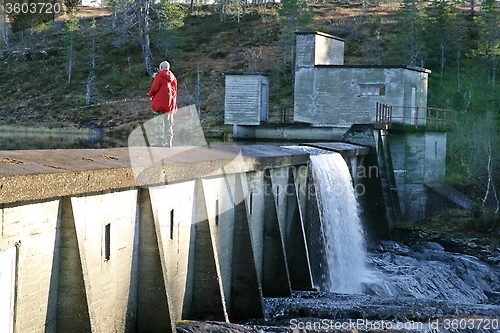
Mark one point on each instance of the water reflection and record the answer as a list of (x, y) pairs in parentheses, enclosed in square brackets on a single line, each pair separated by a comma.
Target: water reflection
[(27, 138)]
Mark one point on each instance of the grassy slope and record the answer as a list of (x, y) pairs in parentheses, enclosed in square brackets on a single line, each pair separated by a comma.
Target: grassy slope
[(34, 76), (36, 91)]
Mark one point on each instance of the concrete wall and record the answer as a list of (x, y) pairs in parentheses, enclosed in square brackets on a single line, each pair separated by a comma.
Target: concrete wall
[(68, 280), (255, 202), (35, 230), (206, 248), (318, 49), (173, 209), (336, 95), (395, 178), (287, 132), (435, 157), (419, 158)]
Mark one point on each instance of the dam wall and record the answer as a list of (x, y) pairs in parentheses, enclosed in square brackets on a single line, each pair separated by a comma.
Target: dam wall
[(135, 240)]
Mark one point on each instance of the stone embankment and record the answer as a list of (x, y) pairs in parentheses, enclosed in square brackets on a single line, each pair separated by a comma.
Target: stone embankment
[(480, 248)]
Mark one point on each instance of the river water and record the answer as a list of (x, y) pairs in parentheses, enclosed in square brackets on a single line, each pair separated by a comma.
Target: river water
[(26, 138)]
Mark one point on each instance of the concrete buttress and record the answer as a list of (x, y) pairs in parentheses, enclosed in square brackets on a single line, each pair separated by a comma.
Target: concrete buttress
[(72, 306), (208, 297), (275, 276), (246, 291), (295, 241), (153, 313)]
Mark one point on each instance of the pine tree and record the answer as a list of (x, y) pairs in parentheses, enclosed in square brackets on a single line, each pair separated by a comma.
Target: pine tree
[(443, 32), (489, 46), (408, 46)]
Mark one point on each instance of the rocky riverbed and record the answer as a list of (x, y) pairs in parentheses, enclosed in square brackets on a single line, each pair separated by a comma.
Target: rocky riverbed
[(418, 288)]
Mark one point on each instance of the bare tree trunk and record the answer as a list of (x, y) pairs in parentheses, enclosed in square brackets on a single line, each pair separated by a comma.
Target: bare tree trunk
[(442, 47), (493, 74), (459, 55), (70, 58), (4, 27), (113, 21), (142, 8), (223, 11), (472, 7), (490, 189), (198, 90), (92, 62), (90, 87), (497, 208)]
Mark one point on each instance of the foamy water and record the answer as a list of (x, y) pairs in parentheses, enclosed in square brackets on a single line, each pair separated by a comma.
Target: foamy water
[(341, 227)]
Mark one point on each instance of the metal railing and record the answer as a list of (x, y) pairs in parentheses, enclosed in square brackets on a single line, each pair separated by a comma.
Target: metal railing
[(383, 116), (286, 113), (280, 114), (387, 116)]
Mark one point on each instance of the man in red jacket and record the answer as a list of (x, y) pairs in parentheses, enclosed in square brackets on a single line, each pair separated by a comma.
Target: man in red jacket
[(163, 94)]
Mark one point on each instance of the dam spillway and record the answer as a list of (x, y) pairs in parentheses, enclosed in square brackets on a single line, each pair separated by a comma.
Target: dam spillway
[(96, 239), (341, 227)]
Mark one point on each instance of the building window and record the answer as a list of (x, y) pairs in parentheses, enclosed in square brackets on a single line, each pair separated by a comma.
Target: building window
[(372, 90)]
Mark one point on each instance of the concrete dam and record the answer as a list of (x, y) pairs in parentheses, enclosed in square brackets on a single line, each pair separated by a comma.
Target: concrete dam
[(138, 239), (104, 240)]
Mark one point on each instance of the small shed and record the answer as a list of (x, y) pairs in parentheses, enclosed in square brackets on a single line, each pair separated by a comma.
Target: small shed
[(247, 99)]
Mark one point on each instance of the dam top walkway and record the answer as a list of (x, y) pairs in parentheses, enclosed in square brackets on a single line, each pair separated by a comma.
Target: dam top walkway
[(27, 175)]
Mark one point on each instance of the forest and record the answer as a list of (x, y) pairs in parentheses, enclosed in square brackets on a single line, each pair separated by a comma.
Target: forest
[(68, 65)]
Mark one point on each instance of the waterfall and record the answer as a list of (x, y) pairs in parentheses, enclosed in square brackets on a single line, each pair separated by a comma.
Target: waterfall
[(342, 233)]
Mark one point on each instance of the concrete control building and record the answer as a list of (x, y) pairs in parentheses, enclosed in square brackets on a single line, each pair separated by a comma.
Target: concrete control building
[(382, 107)]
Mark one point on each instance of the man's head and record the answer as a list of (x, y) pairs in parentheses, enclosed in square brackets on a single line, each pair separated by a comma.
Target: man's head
[(164, 65)]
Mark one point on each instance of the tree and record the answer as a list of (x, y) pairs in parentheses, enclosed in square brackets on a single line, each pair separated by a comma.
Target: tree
[(489, 44), (408, 45), (442, 30), (143, 19), (236, 9), (490, 218), (115, 7), (373, 44), (141, 14), (26, 15), (4, 27), (91, 78), (171, 15), (72, 25), (293, 15)]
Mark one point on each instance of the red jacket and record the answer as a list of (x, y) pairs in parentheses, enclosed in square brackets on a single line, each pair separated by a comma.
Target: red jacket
[(164, 92)]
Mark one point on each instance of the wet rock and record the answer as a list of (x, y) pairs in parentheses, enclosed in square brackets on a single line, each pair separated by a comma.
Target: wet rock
[(421, 284), (425, 245), (394, 247)]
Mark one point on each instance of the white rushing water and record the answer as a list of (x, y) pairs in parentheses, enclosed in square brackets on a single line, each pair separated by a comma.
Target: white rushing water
[(342, 230)]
